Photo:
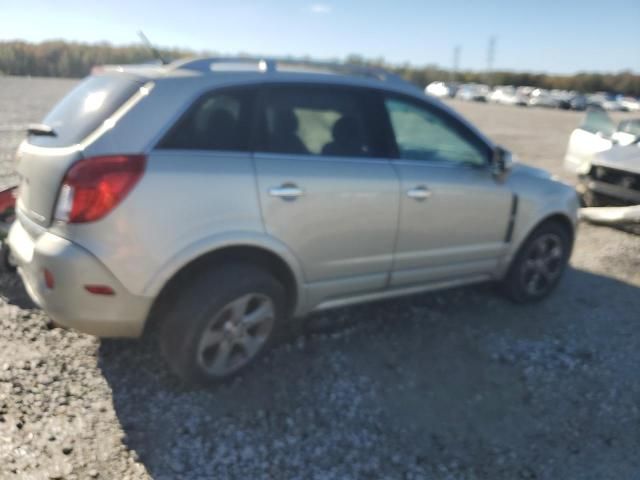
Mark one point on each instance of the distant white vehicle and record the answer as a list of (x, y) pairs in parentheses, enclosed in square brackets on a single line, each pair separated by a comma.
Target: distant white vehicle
[(607, 102), (441, 89), (543, 98), (606, 158), (525, 90), (507, 95), (630, 104), (473, 92)]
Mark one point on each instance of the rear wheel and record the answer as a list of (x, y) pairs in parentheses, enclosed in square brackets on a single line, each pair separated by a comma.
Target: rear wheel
[(539, 264), (222, 322)]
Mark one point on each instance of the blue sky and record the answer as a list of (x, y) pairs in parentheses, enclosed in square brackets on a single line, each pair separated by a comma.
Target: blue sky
[(549, 36)]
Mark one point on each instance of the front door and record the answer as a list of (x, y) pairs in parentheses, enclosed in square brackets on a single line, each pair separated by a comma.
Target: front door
[(454, 214)]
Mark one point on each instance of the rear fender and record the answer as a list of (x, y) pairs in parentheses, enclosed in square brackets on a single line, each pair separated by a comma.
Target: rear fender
[(232, 239)]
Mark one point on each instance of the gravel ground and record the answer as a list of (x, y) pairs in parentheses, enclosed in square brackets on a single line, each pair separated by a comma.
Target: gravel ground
[(455, 385)]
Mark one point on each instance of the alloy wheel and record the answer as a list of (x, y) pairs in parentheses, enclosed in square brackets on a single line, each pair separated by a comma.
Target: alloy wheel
[(236, 334)]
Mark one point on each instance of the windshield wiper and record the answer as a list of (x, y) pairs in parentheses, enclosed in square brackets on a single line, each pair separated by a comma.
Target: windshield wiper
[(41, 129)]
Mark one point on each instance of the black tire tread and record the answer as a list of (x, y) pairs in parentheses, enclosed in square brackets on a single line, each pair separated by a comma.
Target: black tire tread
[(200, 297), (511, 286)]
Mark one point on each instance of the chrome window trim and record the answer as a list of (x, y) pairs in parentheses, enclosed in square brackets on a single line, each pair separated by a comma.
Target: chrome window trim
[(320, 158)]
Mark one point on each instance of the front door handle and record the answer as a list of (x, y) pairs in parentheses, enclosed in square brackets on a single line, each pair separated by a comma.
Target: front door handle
[(286, 192), (419, 193)]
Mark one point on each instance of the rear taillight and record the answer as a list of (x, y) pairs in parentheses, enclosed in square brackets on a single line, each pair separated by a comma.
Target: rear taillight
[(94, 186)]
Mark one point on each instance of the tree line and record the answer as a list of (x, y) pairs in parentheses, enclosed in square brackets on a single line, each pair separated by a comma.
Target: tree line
[(75, 60)]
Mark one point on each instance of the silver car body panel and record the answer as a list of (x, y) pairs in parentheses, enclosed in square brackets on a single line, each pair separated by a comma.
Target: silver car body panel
[(353, 234), (346, 217), (539, 197), (458, 230)]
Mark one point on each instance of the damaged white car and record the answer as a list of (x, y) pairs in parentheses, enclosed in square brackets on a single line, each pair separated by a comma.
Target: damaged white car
[(606, 158)]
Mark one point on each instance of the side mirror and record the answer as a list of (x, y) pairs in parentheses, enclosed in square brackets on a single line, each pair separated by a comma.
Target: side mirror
[(501, 162)]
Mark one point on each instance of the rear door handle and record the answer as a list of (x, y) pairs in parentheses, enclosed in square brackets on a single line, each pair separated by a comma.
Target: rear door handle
[(419, 193), (286, 192)]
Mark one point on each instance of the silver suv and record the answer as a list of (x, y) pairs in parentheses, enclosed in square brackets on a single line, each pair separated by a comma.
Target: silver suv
[(211, 200)]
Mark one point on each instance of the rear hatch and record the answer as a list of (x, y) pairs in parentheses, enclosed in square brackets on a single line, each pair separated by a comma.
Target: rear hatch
[(55, 144)]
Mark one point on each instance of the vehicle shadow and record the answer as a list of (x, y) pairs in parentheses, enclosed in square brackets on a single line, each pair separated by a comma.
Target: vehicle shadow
[(461, 377)]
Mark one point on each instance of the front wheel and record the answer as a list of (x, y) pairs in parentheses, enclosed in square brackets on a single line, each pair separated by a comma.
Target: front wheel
[(222, 321), (539, 264)]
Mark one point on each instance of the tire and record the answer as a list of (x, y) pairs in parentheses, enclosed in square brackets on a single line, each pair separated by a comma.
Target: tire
[(233, 312), (539, 264)]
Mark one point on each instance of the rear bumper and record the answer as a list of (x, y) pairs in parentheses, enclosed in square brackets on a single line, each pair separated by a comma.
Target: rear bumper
[(68, 303)]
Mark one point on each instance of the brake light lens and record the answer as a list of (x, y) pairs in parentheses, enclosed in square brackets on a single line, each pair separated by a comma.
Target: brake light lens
[(99, 289), (95, 186)]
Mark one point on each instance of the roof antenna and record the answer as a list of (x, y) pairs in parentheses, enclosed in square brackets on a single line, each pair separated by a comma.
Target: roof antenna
[(154, 51)]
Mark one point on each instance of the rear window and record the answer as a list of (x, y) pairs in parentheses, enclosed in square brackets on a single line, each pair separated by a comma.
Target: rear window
[(84, 109)]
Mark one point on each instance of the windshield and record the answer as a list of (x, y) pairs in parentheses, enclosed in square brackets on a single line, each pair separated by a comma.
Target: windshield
[(630, 126), (597, 121), (84, 109)]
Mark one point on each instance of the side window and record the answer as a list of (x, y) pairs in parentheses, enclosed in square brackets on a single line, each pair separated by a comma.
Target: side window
[(315, 121), (218, 121), (424, 135)]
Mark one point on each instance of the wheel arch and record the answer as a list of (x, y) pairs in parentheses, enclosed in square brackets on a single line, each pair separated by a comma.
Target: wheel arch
[(273, 260), (559, 218)]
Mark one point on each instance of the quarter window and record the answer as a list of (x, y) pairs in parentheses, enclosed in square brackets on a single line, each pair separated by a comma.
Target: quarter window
[(425, 135), (315, 121), (218, 121)]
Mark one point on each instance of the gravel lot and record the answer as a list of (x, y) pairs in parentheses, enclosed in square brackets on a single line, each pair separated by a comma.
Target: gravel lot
[(454, 385)]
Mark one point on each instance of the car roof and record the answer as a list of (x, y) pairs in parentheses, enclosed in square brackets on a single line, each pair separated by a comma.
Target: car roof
[(223, 70), (213, 72)]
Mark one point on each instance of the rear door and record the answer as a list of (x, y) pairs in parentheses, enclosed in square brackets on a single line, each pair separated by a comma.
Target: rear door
[(51, 148), (454, 214), (326, 189)]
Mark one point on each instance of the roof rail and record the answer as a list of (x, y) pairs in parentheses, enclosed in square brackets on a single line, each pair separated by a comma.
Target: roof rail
[(268, 65), (212, 64)]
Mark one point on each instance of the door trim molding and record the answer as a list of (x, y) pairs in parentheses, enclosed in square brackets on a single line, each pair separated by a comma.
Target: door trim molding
[(398, 292)]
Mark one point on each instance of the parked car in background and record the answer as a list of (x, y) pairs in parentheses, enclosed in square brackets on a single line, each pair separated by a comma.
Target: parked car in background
[(210, 201), (630, 104), (606, 158), (525, 90), (442, 89), (563, 97), (543, 98), (578, 102), (507, 95), (606, 101), (473, 92)]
